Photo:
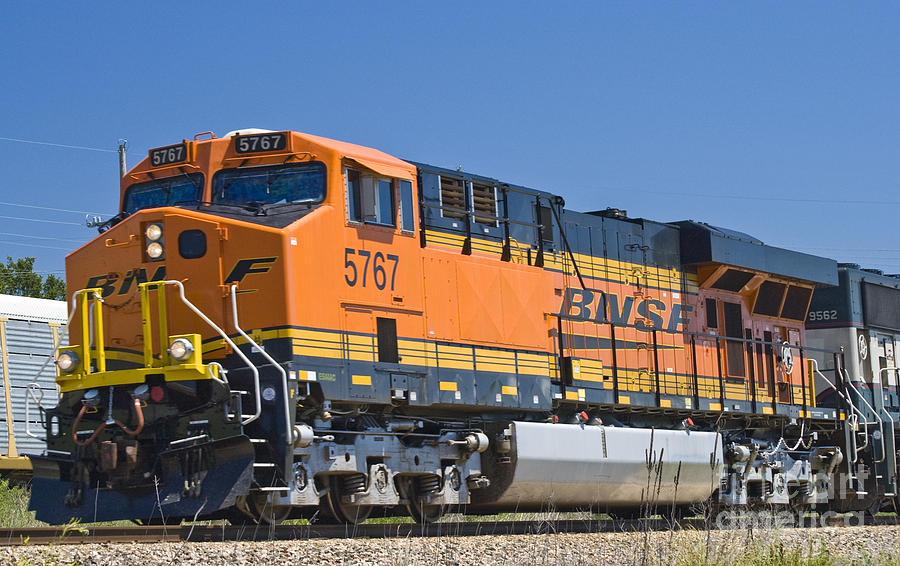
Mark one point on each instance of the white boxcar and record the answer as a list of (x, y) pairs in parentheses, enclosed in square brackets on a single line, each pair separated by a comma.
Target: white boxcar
[(30, 330)]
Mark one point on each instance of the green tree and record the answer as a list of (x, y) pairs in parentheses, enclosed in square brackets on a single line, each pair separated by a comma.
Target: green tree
[(17, 277)]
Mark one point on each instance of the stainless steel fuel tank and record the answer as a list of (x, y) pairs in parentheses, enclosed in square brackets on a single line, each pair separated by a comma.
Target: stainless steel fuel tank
[(561, 466)]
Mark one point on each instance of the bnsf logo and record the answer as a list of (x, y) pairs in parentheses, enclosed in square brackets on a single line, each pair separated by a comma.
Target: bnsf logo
[(590, 305), (111, 281)]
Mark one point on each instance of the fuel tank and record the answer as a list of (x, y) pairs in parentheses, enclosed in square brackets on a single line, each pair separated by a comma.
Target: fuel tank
[(568, 467)]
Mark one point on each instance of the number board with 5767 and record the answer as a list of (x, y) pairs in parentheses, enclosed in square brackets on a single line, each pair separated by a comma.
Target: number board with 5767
[(169, 154), (260, 143)]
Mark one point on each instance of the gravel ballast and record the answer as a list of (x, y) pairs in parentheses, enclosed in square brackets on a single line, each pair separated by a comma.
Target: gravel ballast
[(839, 545)]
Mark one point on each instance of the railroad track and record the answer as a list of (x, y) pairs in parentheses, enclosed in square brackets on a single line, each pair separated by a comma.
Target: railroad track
[(196, 533)]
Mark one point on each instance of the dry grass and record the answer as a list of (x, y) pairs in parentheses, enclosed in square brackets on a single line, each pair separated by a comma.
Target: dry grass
[(752, 547)]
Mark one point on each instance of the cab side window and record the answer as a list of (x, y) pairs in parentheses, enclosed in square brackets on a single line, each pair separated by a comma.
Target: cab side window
[(370, 199), (406, 206)]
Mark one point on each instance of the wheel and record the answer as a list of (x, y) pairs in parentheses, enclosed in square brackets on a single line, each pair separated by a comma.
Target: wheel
[(339, 510), (258, 508), (415, 491), (235, 516), (422, 512), (872, 511)]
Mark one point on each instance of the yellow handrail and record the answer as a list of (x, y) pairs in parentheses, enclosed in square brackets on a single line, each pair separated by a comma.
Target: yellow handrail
[(84, 304), (147, 322), (91, 300)]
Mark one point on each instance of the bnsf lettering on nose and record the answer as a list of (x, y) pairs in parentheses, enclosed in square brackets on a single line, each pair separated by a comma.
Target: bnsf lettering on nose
[(110, 282), (592, 305)]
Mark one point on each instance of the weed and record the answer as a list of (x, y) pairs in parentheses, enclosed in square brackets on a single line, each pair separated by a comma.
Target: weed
[(14, 506)]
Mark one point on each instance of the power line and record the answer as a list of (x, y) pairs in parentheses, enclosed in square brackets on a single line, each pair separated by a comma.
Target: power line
[(42, 220), (845, 249), (42, 237), (34, 245), (58, 145), (2, 271), (53, 209), (758, 198)]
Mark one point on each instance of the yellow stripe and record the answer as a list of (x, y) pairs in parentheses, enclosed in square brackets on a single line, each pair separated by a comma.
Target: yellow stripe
[(500, 368), (589, 377), (448, 386), (624, 400), (362, 357), (533, 371), (665, 403), (361, 380), (509, 390), (495, 354), (319, 335), (458, 350), (571, 396), (715, 406), (417, 361), (767, 410), (316, 352)]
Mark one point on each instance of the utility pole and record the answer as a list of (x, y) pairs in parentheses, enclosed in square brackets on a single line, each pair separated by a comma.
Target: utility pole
[(123, 143), (95, 221)]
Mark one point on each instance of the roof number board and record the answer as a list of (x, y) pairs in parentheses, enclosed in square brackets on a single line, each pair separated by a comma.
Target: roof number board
[(169, 154), (258, 143)]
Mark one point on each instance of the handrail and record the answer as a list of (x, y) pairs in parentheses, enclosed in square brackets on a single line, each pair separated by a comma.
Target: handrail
[(444, 208), (224, 336), (885, 411), (685, 333), (855, 413), (874, 413), (284, 379)]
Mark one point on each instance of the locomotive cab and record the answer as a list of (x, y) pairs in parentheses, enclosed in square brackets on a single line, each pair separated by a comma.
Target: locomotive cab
[(221, 246)]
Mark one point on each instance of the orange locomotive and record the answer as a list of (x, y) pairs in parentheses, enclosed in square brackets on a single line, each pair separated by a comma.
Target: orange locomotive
[(278, 324)]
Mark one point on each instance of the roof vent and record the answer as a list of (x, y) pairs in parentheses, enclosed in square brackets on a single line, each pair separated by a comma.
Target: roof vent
[(875, 271), (848, 266), (610, 213)]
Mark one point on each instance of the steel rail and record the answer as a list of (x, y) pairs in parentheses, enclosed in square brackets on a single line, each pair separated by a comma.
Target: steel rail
[(86, 534)]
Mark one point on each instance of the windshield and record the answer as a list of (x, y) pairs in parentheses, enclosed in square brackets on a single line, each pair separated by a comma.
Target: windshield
[(278, 184), (168, 191)]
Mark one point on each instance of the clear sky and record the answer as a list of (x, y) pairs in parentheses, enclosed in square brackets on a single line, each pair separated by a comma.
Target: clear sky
[(777, 119)]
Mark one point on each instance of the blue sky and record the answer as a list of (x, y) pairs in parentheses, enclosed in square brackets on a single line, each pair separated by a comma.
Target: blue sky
[(780, 120)]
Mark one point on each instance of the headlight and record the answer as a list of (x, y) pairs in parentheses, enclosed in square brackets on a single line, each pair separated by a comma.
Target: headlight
[(155, 250), (67, 361), (153, 232), (181, 349)]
